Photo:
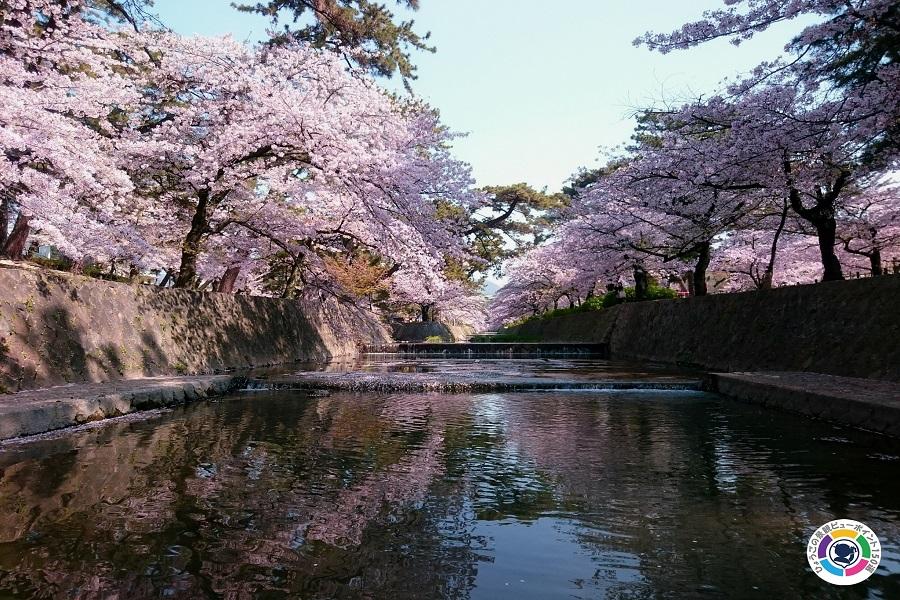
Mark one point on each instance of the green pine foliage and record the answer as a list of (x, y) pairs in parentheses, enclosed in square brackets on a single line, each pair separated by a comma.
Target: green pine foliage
[(367, 33)]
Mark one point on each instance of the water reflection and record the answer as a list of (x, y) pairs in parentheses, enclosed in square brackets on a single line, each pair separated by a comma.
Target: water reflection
[(286, 495)]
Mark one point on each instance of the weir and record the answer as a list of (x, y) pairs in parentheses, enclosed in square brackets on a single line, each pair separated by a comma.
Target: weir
[(492, 349), (482, 368), (406, 383)]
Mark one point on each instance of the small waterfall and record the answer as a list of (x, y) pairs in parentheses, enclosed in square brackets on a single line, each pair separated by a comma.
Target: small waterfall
[(491, 350), (426, 382)]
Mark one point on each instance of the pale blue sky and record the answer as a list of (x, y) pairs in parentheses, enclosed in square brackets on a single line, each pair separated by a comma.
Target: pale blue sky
[(538, 86)]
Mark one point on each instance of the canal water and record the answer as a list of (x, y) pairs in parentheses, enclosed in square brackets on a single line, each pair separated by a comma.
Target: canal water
[(563, 494)]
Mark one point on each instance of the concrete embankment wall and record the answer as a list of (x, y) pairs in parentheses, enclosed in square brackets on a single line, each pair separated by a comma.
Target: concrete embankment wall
[(59, 328), (849, 328), (419, 331)]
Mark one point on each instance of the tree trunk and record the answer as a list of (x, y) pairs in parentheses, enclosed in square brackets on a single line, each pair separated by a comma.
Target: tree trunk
[(769, 276), (226, 284), (4, 220), (699, 275), (166, 278), (193, 241), (15, 243), (291, 280), (427, 313), (826, 228), (641, 282), (875, 262), (821, 216)]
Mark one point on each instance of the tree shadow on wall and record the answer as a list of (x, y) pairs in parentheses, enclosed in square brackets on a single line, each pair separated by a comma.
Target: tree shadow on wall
[(153, 359), (174, 331), (53, 351), (210, 331), (70, 356)]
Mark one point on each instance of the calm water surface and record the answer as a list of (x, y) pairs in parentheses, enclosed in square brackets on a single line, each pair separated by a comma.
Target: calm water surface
[(528, 495)]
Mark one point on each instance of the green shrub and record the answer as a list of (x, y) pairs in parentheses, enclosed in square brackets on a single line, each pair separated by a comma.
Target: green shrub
[(592, 303), (654, 292), (658, 292), (434, 339), (504, 338), (59, 264)]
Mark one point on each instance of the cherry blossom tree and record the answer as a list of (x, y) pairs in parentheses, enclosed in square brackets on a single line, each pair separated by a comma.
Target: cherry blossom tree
[(214, 160), (850, 53), (832, 109), (683, 185), (758, 181), (62, 88), (284, 144), (750, 155), (422, 282), (870, 226), (560, 274)]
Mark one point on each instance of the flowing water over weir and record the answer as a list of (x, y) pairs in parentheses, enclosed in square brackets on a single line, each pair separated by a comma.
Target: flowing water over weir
[(622, 481), (430, 371), (491, 350)]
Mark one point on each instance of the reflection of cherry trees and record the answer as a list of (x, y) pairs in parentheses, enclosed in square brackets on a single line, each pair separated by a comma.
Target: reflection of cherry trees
[(299, 486), (364, 495), (678, 483), (402, 483)]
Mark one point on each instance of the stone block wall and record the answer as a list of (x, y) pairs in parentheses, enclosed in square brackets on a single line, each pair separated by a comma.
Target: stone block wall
[(419, 331), (849, 328), (59, 328)]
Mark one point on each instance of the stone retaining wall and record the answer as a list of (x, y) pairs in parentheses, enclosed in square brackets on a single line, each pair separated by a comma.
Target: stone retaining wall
[(419, 331), (849, 328), (59, 328)]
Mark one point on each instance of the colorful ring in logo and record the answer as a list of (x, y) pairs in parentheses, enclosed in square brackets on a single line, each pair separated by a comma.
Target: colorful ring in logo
[(844, 552)]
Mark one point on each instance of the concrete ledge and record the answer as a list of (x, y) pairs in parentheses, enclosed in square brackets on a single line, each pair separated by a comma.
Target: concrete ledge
[(862, 403), (39, 411)]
